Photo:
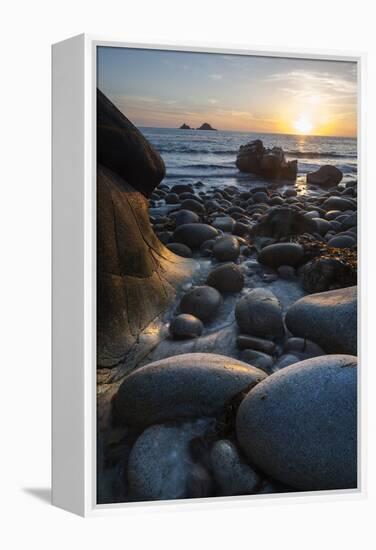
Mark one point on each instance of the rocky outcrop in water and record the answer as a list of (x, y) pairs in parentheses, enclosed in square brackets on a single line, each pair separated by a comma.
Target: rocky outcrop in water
[(184, 127), (206, 126), (268, 163)]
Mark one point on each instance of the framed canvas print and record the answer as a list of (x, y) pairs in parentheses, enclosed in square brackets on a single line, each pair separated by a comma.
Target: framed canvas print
[(205, 297)]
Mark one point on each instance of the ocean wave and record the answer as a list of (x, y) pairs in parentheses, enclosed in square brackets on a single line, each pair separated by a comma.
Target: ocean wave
[(193, 150), (322, 154)]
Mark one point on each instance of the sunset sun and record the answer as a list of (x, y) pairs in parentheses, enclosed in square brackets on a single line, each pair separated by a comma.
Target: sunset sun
[(303, 125)]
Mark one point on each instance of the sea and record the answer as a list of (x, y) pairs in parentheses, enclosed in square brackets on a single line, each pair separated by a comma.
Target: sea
[(209, 156)]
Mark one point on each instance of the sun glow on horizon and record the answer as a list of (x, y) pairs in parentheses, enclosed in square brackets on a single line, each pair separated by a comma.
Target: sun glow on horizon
[(303, 125)]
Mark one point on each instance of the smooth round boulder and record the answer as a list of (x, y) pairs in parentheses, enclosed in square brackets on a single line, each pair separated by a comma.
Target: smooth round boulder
[(194, 234), (327, 318), (185, 326), (224, 223), (325, 176), (231, 474), (193, 205), (182, 217), (275, 255), (338, 203), (332, 214), (172, 198), (180, 249), (323, 226), (160, 466), (226, 278), (342, 241), (226, 249), (259, 313), (300, 424), (182, 386), (202, 302), (260, 197), (181, 188)]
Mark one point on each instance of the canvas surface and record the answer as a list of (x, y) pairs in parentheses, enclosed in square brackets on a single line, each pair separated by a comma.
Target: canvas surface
[(226, 272)]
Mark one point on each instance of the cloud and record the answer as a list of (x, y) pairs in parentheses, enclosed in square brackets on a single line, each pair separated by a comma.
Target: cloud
[(315, 80), (216, 76), (213, 101)]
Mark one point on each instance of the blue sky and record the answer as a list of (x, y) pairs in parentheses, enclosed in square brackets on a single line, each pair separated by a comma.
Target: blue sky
[(231, 92)]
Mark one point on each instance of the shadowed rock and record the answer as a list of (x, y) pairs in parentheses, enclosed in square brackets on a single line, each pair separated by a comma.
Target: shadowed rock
[(182, 386), (123, 149), (137, 276), (282, 222)]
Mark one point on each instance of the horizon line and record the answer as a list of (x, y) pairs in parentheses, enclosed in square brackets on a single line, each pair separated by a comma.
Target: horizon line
[(251, 132)]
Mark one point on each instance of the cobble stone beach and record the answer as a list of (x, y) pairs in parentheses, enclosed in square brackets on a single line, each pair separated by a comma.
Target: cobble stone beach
[(227, 312)]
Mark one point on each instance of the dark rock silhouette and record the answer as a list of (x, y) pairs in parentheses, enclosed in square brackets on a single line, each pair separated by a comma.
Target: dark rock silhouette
[(269, 163), (185, 127), (123, 149), (206, 126)]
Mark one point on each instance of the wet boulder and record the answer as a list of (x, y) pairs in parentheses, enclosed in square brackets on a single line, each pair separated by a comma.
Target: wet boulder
[(194, 234), (224, 223), (276, 255), (182, 386), (226, 249), (325, 176), (342, 241), (327, 318), (182, 217), (202, 302), (339, 203), (180, 249), (259, 313), (193, 205), (185, 326), (226, 278), (299, 425), (160, 466), (232, 475)]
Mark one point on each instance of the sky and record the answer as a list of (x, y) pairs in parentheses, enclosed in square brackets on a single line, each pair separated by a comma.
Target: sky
[(231, 92)]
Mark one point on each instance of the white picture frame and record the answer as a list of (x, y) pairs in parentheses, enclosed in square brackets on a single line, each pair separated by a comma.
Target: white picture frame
[(74, 277)]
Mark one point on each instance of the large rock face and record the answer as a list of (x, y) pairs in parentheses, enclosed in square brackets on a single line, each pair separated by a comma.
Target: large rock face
[(269, 163), (300, 424), (327, 318), (136, 275), (182, 386), (123, 149)]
